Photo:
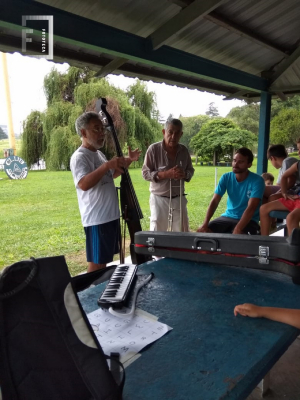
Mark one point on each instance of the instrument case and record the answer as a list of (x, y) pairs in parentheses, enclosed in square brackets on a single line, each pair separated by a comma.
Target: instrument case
[(271, 253)]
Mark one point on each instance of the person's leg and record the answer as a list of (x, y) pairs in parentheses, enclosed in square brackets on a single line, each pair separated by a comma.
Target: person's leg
[(265, 219), (94, 267), (269, 190), (91, 235), (102, 242), (159, 209), (176, 214), (252, 228), (222, 225), (292, 220)]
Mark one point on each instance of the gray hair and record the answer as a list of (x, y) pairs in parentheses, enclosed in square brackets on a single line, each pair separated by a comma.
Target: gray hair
[(84, 119), (173, 121)]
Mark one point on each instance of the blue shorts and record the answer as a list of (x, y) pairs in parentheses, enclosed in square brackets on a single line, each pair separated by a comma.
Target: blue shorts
[(102, 242)]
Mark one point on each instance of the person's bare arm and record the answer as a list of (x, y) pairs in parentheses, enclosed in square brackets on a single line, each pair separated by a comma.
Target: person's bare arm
[(91, 179), (253, 203), (213, 205), (285, 179), (285, 315)]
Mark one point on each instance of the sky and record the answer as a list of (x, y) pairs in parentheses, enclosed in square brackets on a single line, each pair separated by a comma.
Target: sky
[(26, 75)]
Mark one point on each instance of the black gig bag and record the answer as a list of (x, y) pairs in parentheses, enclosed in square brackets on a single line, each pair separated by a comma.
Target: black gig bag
[(48, 349)]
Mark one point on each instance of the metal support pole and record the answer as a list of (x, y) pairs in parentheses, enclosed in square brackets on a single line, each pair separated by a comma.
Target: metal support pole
[(264, 132), (11, 135)]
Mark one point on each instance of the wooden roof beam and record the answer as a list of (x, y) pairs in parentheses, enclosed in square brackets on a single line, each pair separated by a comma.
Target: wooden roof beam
[(111, 67), (226, 23), (285, 89), (237, 95), (244, 32), (285, 65), (197, 9)]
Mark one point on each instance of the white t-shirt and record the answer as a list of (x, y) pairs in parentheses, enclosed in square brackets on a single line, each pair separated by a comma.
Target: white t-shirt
[(286, 164), (99, 204)]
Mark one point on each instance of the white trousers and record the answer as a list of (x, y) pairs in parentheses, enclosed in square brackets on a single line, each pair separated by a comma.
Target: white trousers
[(159, 207)]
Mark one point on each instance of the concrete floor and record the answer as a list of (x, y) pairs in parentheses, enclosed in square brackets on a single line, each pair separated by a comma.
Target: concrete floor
[(285, 377)]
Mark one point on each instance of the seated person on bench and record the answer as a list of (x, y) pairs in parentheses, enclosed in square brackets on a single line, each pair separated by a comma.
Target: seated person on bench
[(245, 190), (288, 202), (278, 156), (268, 178)]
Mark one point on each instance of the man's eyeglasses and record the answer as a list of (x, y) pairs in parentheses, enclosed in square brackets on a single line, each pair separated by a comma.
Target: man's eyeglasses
[(99, 130)]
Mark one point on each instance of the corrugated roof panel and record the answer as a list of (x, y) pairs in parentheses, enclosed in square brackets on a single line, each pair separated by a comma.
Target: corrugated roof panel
[(275, 21), (202, 37), (139, 17)]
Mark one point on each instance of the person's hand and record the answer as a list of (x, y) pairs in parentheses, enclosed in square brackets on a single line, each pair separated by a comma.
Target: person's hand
[(290, 196), (247, 310), (117, 163), (237, 231), (134, 154), (175, 173), (203, 228)]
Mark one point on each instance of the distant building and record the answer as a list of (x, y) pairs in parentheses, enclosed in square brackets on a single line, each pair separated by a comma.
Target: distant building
[(291, 149), (3, 128)]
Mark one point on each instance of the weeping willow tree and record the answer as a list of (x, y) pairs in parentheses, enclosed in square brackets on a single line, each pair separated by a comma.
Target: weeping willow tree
[(62, 145), (141, 98), (68, 96), (61, 86), (56, 116), (136, 128), (32, 138)]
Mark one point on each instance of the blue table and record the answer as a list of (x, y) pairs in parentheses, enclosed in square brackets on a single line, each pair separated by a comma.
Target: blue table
[(209, 354)]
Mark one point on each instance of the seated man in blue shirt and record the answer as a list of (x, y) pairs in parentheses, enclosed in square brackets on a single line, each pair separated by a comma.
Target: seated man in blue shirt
[(245, 190)]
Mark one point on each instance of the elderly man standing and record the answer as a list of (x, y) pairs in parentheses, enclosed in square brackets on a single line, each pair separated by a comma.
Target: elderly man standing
[(168, 165), (94, 178)]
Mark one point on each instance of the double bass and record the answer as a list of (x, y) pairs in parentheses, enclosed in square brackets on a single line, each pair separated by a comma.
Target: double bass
[(130, 208)]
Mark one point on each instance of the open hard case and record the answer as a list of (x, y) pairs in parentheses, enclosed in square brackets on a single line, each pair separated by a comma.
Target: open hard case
[(271, 253)]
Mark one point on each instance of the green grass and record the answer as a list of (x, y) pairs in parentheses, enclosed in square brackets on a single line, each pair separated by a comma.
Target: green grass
[(40, 217), (4, 144)]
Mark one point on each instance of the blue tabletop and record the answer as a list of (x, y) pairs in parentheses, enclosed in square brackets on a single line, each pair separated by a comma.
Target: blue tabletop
[(209, 354)]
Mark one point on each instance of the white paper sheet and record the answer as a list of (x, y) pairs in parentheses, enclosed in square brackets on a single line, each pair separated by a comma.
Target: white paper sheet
[(125, 336)]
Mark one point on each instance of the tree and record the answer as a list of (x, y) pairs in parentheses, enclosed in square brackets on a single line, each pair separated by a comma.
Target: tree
[(3, 135), (285, 127), (291, 103), (140, 97), (212, 110), (60, 86), (191, 126), (32, 138), (246, 117), (220, 137), (71, 93)]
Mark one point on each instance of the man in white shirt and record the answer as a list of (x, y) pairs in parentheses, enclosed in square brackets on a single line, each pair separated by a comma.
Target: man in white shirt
[(93, 176)]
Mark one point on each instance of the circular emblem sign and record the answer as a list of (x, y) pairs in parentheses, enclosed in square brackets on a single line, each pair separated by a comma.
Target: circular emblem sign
[(15, 167)]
